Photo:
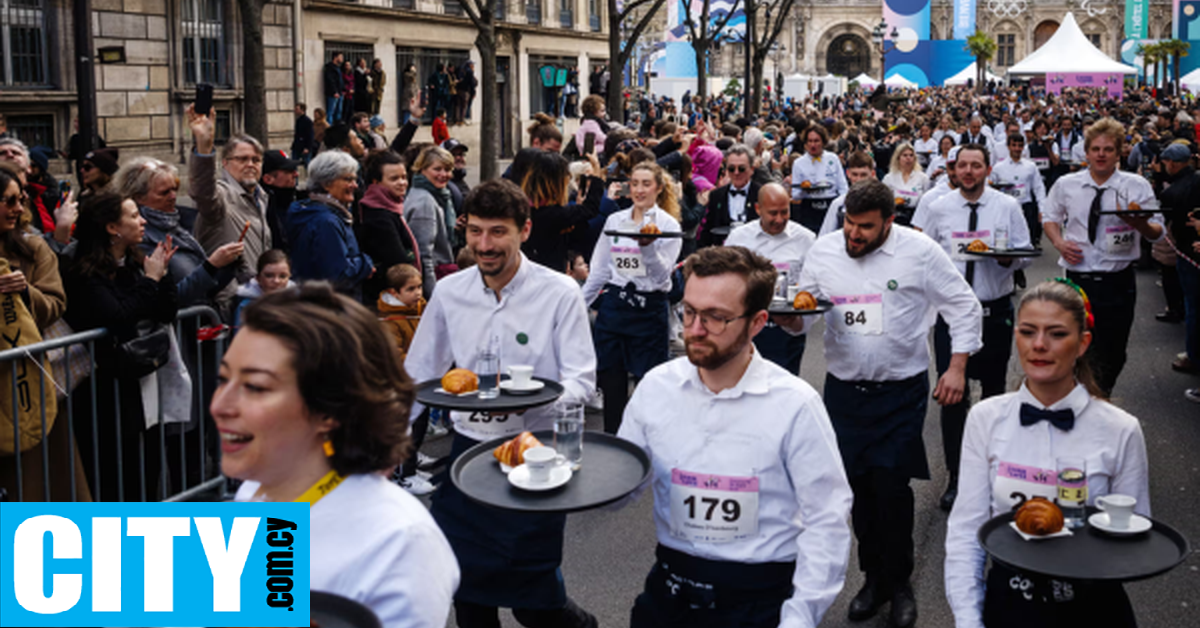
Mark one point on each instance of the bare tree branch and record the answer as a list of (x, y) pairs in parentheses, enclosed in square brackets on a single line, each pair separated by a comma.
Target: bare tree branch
[(641, 27), (629, 8)]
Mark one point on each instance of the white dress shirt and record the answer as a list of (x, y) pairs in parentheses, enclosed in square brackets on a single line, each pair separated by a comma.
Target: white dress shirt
[(786, 250), (911, 189), (939, 190), (540, 320), (937, 162), (925, 149), (948, 224), (937, 135), (1117, 244), (825, 169), (998, 451), (1024, 176), (737, 203), (1078, 153), (892, 296), (833, 217), (374, 543), (657, 258), (772, 427)]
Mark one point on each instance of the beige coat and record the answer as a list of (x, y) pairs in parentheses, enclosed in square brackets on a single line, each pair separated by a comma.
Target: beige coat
[(224, 207), (47, 298)]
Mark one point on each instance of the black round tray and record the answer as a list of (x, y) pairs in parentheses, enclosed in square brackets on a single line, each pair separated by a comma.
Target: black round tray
[(1007, 253), (612, 468), (638, 235), (506, 402), (1089, 554), (721, 231), (329, 610), (1132, 213), (822, 307), (816, 187)]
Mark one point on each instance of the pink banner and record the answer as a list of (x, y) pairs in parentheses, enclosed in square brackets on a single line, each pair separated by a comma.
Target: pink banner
[(1113, 83)]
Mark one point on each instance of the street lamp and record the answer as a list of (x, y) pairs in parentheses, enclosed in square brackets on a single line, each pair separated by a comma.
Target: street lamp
[(885, 46)]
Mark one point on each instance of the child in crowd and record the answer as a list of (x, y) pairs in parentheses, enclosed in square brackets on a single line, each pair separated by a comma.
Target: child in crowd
[(401, 305), (465, 258), (577, 267), (274, 274)]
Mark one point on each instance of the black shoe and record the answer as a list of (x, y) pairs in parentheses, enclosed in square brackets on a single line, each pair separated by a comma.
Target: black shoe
[(867, 602), (904, 607), (1019, 279), (1167, 316), (947, 501)]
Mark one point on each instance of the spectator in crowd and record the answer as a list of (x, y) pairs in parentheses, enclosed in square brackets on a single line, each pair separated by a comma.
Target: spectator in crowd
[(411, 89), (279, 181), (544, 134), (459, 188), (198, 276), (594, 113), (381, 229), (320, 123), (42, 188), (319, 228), (347, 92), (303, 134), (377, 132), (378, 84), (334, 85), (341, 137), (401, 304), (274, 274), (546, 183), (117, 287), (467, 86), (360, 124), (441, 132), (76, 149), (429, 211), (334, 415)]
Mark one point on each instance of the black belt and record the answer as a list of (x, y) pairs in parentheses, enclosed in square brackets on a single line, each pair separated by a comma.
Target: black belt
[(1100, 275), (870, 385), (739, 579)]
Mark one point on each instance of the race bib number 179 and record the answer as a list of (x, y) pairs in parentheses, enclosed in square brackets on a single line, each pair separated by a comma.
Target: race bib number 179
[(713, 508)]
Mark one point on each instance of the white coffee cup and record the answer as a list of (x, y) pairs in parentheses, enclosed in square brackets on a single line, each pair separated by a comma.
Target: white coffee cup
[(792, 291), (1119, 509), (522, 375), (540, 460)]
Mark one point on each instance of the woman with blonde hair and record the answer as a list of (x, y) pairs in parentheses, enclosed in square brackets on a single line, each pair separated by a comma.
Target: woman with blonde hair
[(628, 285), (907, 181), (429, 211)]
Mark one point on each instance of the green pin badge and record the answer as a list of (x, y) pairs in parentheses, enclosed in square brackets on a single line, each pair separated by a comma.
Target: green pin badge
[(522, 338), (892, 285)]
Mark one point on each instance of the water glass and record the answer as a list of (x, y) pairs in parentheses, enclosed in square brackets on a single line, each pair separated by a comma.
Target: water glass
[(1072, 490), (1001, 237), (487, 367), (568, 432)]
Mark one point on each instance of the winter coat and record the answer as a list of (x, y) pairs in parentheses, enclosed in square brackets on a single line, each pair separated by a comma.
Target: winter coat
[(324, 247)]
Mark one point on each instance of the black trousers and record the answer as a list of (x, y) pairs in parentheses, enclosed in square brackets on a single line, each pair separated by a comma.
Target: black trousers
[(1114, 299), (468, 615), (883, 514), (989, 366), (1172, 289), (419, 428), (780, 347), (1034, 221)]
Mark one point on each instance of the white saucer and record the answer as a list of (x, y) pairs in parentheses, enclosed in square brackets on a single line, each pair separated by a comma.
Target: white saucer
[(504, 468), (446, 392), (559, 475), (1137, 525), (509, 387)]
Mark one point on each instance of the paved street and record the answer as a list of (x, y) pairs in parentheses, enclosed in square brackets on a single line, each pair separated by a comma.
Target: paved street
[(608, 553)]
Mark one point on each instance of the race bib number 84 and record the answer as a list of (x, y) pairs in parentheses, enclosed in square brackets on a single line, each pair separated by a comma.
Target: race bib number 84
[(713, 508), (859, 314)]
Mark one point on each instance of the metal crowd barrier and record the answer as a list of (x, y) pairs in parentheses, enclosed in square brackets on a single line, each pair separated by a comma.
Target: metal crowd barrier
[(188, 461)]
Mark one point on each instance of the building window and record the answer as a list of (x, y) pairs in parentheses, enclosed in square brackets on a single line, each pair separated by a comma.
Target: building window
[(1094, 38), (549, 75), (204, 42), (501, 14), (427, 62), (33, 130), (533, 11), (23, 42), (452, 7), (404, 4), (1006, 46), (351, 52), (222, 127), (566, 13), (594, 15)]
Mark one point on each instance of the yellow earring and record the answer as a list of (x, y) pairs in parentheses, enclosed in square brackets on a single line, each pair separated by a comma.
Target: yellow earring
[(328, 447)]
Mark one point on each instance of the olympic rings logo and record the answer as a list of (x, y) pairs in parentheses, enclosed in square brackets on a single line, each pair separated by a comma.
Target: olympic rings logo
[(1007, 8)]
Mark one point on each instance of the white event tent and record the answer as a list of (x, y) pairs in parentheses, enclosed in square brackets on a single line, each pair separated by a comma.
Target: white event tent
[(1069, 52), (865, 81), (969, 73), (1191, 80), (896, 80)]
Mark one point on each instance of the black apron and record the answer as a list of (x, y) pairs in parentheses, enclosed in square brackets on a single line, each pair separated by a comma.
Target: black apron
[(1020, 600), (507, 559), (777, 346), (810, 212), (878, 424), (631, 329)]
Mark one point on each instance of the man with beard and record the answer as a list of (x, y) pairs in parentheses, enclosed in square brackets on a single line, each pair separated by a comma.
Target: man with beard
[(536, 316), (785, 244), (229, 200), (743, 452), (977, 212), (886, 282)]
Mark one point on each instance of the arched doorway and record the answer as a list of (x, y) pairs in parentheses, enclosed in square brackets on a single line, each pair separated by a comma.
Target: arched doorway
[(1044, 32), (847, 55)]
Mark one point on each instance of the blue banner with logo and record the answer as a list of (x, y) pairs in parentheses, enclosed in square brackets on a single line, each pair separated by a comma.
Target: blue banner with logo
[(154, 564), (964, 18)]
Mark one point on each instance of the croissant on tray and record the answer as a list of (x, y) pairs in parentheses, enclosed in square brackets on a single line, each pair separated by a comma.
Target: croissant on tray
[(651, 229), (512, 453), (1039, 516), (977, 246), (804, 301)]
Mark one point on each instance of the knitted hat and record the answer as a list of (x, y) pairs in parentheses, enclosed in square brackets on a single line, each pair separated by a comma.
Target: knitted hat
[(106, 159)]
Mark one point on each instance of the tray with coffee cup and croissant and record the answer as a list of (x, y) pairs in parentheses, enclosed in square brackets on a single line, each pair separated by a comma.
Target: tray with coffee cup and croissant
[(647, 231), (458, 390), (803, 303), (1116, 546)]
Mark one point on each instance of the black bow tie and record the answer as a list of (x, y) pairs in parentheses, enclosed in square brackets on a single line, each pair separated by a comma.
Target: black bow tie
[(1062, 419), (736, 192)]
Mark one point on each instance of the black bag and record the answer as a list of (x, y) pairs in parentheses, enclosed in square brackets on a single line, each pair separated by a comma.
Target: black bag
[(146, 353)]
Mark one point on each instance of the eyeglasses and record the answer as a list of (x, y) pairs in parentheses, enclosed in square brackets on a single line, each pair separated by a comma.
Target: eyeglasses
[(738, 168), (13, 200), (714, 324), (241, 159)]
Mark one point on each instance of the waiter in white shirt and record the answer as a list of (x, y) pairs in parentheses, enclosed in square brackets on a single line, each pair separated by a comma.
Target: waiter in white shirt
[(536, 316), (944, 186), (750, 498), (786, 244), (1098, 251), (886, 283), (977, 212), (1022, 181), (820, 169), (976, 133), (859, 167)]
